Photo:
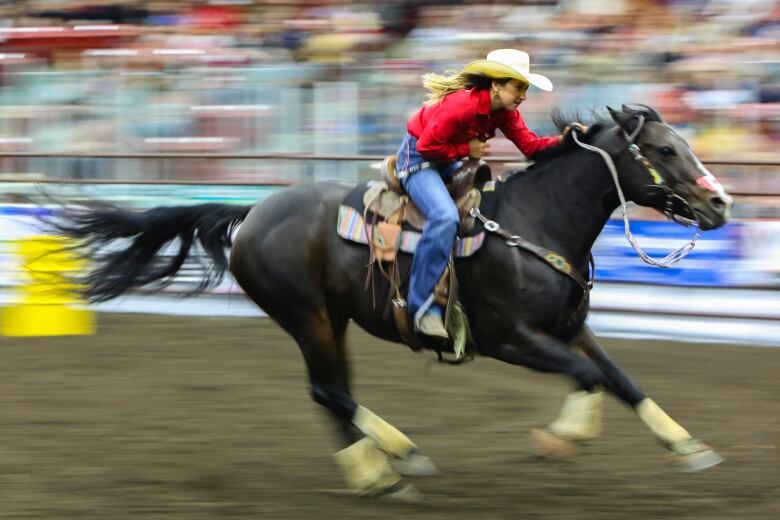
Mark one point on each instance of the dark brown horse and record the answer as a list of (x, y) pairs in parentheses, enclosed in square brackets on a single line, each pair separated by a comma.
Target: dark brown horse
[(288, 258)]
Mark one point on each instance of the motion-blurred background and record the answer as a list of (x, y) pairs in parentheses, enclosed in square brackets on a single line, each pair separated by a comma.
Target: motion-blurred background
[(102, 91)]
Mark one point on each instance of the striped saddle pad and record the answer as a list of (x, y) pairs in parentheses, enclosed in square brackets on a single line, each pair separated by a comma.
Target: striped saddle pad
[(351, 225)]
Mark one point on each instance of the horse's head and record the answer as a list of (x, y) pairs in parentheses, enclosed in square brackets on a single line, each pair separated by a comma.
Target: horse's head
[(659, 170)]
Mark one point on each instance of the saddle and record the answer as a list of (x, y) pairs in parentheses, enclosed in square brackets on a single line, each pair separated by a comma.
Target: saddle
[(388, 198), (391, 206)]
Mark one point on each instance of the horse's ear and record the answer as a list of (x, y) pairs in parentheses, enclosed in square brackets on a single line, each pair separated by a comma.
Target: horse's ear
[(649, 112), (623, 119)]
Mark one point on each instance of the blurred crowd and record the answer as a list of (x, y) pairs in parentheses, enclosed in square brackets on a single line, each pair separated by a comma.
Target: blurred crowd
[(339, 77)]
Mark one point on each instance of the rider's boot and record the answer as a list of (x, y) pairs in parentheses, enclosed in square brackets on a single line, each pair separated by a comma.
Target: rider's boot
[(432, 324)]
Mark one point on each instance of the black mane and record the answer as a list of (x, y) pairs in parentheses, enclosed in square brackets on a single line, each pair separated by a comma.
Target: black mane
[(596, 124)]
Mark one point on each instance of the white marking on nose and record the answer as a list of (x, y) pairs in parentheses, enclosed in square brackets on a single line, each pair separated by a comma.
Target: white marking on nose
[(710, 182)]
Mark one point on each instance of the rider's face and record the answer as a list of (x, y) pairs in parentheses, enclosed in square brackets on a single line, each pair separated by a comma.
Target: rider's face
[(510, 95)]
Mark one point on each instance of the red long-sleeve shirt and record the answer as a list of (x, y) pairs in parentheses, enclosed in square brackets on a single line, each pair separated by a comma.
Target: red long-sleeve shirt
[(443, 130)]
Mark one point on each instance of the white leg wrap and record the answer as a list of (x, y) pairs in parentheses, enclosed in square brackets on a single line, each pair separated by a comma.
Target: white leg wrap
[(580, 417), (663, 426), (366, 469), (387, 437)]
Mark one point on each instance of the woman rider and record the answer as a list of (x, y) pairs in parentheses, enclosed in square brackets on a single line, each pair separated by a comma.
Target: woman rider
[(463, 110)]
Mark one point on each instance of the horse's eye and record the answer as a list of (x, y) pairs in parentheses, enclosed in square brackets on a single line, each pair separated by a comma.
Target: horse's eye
[(666, 151)]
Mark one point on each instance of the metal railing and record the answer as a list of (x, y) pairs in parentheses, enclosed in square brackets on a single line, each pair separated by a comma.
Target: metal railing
[(498, 159), (294, 157)]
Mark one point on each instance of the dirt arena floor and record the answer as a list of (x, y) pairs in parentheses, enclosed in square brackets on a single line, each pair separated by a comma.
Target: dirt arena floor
[(182, 418)]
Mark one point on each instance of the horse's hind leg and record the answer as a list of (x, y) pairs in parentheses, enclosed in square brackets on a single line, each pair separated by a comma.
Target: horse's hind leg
[(372, 464)]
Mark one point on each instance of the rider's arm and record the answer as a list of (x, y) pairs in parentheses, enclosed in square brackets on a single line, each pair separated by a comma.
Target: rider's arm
[(526, 140), (443, 138)]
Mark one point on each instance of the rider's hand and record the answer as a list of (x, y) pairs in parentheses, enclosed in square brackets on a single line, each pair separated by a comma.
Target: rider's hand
[(572, 126), (477, 148)]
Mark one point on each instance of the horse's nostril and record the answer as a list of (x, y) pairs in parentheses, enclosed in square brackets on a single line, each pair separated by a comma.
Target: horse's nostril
[(718, 204)]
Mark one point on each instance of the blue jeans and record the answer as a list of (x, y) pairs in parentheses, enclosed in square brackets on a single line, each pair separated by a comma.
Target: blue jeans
[(427, 190)]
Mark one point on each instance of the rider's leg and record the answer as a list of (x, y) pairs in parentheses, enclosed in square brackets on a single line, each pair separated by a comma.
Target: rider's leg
[(429, 194)]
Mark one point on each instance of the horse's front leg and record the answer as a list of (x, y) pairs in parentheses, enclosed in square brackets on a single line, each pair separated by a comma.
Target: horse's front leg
[(542, 352), (580, 417)]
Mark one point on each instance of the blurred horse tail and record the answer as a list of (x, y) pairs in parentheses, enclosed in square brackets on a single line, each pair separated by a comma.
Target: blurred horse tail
[(139, 261)]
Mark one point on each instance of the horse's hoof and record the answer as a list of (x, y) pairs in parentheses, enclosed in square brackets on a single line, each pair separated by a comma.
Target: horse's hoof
[(693, 455), (405, 493), (414, 465), (548, 445)]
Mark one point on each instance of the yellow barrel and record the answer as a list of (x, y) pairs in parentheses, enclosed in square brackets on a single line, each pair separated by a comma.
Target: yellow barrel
[(48, 304)]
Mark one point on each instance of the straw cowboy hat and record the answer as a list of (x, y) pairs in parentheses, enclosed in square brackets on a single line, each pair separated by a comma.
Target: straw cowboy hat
[(508, 63)]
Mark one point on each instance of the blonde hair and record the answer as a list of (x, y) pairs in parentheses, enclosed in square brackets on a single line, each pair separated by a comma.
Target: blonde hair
[(453, 80), (440, 85)]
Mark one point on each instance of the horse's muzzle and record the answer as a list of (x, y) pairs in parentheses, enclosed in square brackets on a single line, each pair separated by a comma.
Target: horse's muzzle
[(714, 212)]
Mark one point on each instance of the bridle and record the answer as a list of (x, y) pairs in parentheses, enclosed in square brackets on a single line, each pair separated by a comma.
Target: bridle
[(672, 201), (671, 198)]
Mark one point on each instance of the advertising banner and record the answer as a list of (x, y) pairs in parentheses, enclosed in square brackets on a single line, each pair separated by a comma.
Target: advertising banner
[(715, 260)]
